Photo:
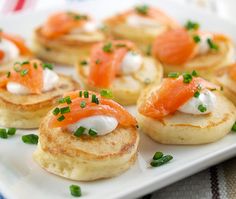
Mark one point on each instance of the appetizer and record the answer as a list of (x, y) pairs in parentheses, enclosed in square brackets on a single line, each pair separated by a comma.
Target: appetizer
[(119, 66), (12, 49), (89, 138), (226, 78), (28, 91), (141, 24), (66, 37), (187, 49), (185, 109)]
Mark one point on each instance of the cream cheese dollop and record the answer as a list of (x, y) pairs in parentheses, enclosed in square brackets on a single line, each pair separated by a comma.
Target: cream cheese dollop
[(131, 63), (203, 46), (139, 21), (206, 98), (102, 124), (10, 50), (50, 80)]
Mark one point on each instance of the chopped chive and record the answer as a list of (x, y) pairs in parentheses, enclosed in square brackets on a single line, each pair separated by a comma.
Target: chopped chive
[(196, 38), (79, 131), (8, 74), (11, 131), (157, 155), (65, 110), (75, 190), (202, 108), (24, 63), (92, 132), (106, 93), (84, 62), (98, 61), (82, 104), (194, 73), (196, 94), (212, 45), (86, 94), (120, 45), (173, 75), (161, 161), (80, 93), (35, 66), (107, 47), (56, 111), (221, 88), (80, 17), (17, 62), (3, 134), (24, 72), (61, 101), (187, 78), (17, 69), (68, 100), (143, 9), (61, 118), (149, 50), (47, 65), (190, 25), (94, 97), (234, 127), (30, 139)]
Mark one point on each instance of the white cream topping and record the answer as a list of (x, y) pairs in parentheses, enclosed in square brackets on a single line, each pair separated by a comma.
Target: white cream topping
[(139, 21), (203, 46), (50, 80), (10, 50), (88, 27), (206, 98), (102, 124), (131, 62)]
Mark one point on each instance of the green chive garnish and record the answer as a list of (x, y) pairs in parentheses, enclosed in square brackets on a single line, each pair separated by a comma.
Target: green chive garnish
[(234, 127), (86, 94), (212, 45), (120, 45), (3, 133), (80, 93), (30, 139), (79, 131), (194, 73), (84, 62), (80, 17), (106, 93), (107, 47), (65, 110), (202, 108), (149, 50), (196, 94), (35, 66), (75, 190), (173, 75), (157, 155), (82, 104), (68, 100), (187, 78), (24, 62), (190, 25), (92, 132), (56, 111), (24, 72), (47, 65), (61, 101), (143, 9), (94, 98), (8, 74), (17, 69), (161, 161), (61, 118), (196, 38), (11, 131)]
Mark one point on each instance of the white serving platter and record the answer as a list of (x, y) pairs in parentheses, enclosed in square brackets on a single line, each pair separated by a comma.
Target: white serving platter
[(22, 178)]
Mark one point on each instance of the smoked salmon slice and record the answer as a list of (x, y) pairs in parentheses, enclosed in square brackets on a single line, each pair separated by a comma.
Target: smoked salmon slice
[(172, 94), (105, 62), (28, 74), (104, 106), (232, 71), (174, 47), (61, 23), (18, 41)]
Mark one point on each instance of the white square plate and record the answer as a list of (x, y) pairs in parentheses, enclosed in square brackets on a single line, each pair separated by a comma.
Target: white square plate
[(22, 178)]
